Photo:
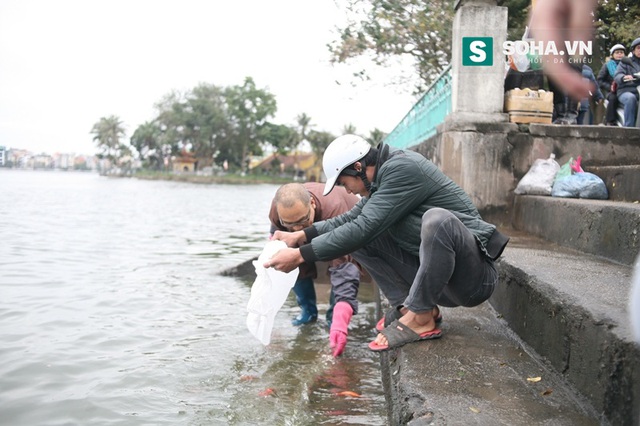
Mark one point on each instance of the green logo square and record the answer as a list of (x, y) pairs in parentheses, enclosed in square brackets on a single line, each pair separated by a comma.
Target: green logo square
[(477, 51)]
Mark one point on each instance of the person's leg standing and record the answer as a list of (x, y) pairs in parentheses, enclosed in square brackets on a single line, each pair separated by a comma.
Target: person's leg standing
[(306, 297), (332, 304), (345, 282), (612, 104), (582, 116)]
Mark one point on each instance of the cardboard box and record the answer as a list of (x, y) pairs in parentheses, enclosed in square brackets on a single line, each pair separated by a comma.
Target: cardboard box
[(529, 106)]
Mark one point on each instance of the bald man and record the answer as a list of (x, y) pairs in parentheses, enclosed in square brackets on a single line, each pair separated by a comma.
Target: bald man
[(295, 207)]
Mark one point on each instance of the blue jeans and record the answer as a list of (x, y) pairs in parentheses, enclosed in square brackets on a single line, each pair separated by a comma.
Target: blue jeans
[(450, 270), (630, 102)]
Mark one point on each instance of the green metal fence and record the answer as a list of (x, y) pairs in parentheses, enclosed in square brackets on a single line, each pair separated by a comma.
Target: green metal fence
[(420, 123)]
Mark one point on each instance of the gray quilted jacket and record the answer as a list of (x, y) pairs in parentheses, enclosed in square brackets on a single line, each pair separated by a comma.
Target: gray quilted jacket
[(405, 185)]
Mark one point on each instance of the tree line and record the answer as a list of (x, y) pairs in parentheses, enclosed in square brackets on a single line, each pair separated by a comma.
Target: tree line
[(215, 124)]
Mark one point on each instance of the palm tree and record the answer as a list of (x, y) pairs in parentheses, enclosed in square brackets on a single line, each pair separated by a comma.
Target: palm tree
[(319, 142), (107, 133), (376, 137), (349, 129), (304, 124)]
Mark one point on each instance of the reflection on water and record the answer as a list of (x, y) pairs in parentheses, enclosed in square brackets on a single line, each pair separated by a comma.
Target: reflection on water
[(112, 311)]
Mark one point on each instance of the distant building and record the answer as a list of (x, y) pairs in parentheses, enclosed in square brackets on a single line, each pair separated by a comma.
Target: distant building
[(24, 159), (63, 161), (185, 163), (18, 158), (303, 166), (41, 161)]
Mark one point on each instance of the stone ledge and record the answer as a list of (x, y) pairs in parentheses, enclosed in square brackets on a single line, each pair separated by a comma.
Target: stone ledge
[(477, 374), (622, 134), (605, 228), (571, 308), (623, 182), (476, 122)]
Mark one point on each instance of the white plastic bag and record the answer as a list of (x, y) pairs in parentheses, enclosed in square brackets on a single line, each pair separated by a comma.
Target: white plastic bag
[(539, 179), (268, 293), (520, 60)]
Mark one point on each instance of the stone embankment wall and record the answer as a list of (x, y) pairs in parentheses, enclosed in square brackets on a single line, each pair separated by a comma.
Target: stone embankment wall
[(488, 159)]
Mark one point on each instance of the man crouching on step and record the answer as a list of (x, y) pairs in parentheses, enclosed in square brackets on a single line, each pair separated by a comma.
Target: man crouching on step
[(414, 230)]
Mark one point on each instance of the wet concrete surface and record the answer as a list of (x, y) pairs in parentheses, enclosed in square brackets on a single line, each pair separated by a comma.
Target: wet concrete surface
[(571, 308), (478, 373)]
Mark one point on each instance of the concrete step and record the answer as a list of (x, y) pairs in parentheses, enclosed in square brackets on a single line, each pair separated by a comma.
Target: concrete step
[(598, 145), (623, 182), (606, 228), (571, 308), (478, 373)]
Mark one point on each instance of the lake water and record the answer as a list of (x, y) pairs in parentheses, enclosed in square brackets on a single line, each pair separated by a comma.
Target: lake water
[(113, 312)]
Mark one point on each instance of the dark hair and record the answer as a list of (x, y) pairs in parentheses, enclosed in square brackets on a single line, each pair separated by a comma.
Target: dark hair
[(369, 159)]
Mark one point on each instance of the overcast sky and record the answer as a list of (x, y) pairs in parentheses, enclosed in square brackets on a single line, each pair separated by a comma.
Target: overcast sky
[(64, 64)]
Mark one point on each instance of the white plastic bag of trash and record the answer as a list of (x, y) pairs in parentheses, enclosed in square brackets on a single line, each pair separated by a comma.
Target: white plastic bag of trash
[(268, 293)]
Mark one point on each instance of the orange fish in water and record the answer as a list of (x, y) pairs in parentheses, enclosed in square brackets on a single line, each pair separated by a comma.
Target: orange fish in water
[(247, 378), (349, 393), (268, 392)]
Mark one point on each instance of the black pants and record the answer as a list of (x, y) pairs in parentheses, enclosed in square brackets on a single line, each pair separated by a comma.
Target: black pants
[(612, 104)]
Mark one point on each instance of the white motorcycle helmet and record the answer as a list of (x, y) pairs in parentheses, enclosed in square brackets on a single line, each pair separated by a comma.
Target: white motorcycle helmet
[(617, 47), (342, 152)]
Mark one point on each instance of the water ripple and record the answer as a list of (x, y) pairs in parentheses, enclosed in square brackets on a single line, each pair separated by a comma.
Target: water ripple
[(113, 312)]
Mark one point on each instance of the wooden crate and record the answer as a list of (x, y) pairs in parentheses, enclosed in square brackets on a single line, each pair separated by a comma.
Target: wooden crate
[(529, 106)]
